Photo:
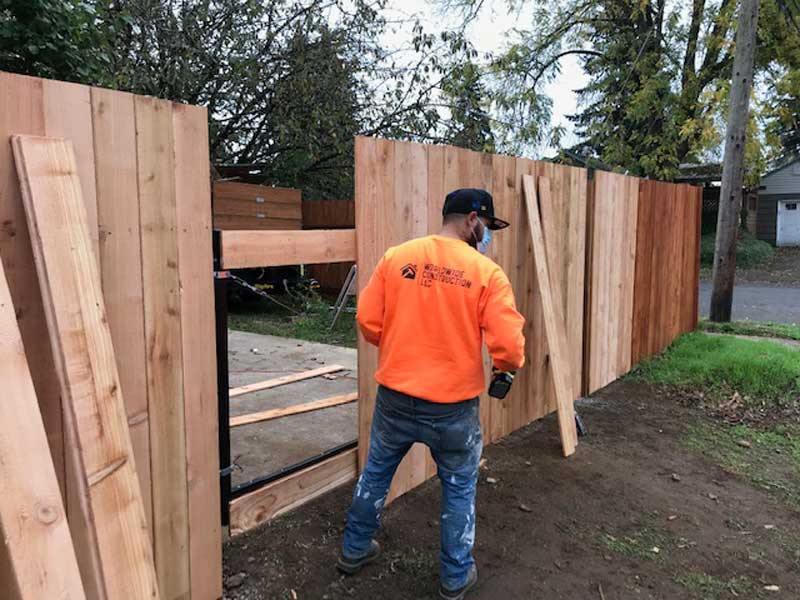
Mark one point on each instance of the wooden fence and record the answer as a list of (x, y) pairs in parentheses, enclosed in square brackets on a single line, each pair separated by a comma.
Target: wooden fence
[(254, 207), (616, 237), (144, 174), (329, 214)]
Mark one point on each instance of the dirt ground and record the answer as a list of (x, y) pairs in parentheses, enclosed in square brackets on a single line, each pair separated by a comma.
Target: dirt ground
[(633, 514), (782, 270), (262, 448)]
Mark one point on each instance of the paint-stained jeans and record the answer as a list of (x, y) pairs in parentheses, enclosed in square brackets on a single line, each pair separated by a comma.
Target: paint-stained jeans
[(453, 434)]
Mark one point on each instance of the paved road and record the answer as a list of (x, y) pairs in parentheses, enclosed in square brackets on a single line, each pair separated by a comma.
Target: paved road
[(759, 303)]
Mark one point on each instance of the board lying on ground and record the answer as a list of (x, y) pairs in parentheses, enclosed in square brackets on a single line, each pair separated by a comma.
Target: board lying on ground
[(37, 546), (277, 413), (278, 381), (114, 551)]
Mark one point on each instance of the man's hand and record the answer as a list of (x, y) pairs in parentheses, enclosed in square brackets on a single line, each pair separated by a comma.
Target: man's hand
[(501, 383)]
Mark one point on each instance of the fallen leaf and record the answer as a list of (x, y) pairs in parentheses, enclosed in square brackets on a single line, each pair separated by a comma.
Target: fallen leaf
[(772, 588), (672, 517), (525, 507), (655, 550), (676, 477), (491, 480), (744, 443)]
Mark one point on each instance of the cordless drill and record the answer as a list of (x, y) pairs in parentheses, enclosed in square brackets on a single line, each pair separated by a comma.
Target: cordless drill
[(501, 383)]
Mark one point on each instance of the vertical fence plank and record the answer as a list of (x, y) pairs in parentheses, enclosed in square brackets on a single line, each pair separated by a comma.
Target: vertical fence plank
[(195, 269), (121, 263), (162, 320)]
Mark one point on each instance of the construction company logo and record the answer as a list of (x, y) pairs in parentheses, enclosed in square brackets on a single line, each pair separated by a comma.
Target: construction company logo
[(409, 271), (431, 273)]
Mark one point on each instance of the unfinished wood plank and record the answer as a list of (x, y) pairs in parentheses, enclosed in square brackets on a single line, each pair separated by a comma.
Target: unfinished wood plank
[(286, 379), (554, 325), (277, 413), (245, 249), (112, 508), (264, 210), (121, 263), (257, 194), (22, 111), (162, 322), (195, 271), (281, 496), (255, 223), (33, 524)]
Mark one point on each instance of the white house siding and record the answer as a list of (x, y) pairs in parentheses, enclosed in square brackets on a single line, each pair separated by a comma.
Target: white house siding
[(783, 181)]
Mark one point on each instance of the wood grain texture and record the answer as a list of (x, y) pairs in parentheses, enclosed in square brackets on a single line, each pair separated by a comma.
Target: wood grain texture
[(260, 222), (22, 112), (286, 379), (555, 328), (614, 242), (245, 249), (667, 269), (162, 323), (108, 489), (195, 272), (36, 540), (274, 499), (277, 413), (120, 253)]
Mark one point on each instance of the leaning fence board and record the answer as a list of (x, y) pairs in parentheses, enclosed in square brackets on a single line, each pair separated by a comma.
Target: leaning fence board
[(287, 493), (246, 249), (555, 328), (286, 379), (162, 322), (36, 541), (193, 217), (112, 508), (277, 413)]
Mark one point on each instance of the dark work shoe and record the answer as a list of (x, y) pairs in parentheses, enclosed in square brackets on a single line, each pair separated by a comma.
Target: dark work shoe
[(351, 566), (472, 579)]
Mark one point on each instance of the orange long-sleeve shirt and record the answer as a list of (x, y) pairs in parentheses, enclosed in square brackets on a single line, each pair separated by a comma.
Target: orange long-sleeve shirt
[(428, 306)]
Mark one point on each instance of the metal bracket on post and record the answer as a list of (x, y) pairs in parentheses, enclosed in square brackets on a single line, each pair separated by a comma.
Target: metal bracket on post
[(580, 426), (221, 280)]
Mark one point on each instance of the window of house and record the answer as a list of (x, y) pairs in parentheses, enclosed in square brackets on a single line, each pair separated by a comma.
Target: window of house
[(791, 206)]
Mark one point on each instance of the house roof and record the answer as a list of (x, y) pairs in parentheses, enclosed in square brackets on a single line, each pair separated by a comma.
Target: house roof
[(781, 165)]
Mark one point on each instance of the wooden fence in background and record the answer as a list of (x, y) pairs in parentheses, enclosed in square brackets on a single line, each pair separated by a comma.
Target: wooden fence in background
[(144, 174), (627, 252), (254, 207), (329, 214)]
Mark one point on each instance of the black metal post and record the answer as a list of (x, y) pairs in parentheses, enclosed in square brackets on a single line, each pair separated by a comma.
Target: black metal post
[(223, 385)]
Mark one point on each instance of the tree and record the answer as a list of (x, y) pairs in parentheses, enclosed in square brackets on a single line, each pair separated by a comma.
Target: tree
[(733, 167), (659, 73)]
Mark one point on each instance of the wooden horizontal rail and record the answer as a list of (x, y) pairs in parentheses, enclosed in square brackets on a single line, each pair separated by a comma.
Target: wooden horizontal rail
[(292, 491), (277, 413), (250, 249), (271, 383)]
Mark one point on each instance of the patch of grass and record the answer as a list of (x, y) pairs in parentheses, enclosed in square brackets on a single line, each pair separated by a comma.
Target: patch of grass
[(313, 325), (764, 373), (750, 252), (708, 587), (640, 544), (769, 459), (756, 328)]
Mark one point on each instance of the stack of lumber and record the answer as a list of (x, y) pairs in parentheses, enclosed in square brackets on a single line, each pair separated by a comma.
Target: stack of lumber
[(248, 206), (145, 195)]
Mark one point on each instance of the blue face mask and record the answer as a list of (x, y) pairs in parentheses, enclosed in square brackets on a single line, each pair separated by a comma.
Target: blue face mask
[(483, 245)]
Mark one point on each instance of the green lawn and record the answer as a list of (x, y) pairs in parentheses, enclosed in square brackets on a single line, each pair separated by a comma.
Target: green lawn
[(766, 374), (312, 325), (756, 328)]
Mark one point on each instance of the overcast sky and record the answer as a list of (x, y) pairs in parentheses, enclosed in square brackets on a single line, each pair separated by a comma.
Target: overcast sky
[(489, 34)]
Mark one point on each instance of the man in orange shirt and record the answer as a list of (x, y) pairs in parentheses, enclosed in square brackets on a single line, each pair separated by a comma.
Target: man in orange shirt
[(429, 306)]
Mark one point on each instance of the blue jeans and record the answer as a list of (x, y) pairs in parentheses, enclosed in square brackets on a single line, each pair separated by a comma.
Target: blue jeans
[(453, 434)]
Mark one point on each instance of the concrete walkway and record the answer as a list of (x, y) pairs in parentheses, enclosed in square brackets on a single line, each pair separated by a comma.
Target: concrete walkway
[(262, 448), (759, 303)]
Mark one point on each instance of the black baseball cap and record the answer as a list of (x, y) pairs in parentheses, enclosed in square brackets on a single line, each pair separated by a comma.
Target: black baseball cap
[(466, 200)]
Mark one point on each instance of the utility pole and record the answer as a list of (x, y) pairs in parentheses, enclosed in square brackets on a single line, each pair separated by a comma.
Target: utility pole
[(730, 198)]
